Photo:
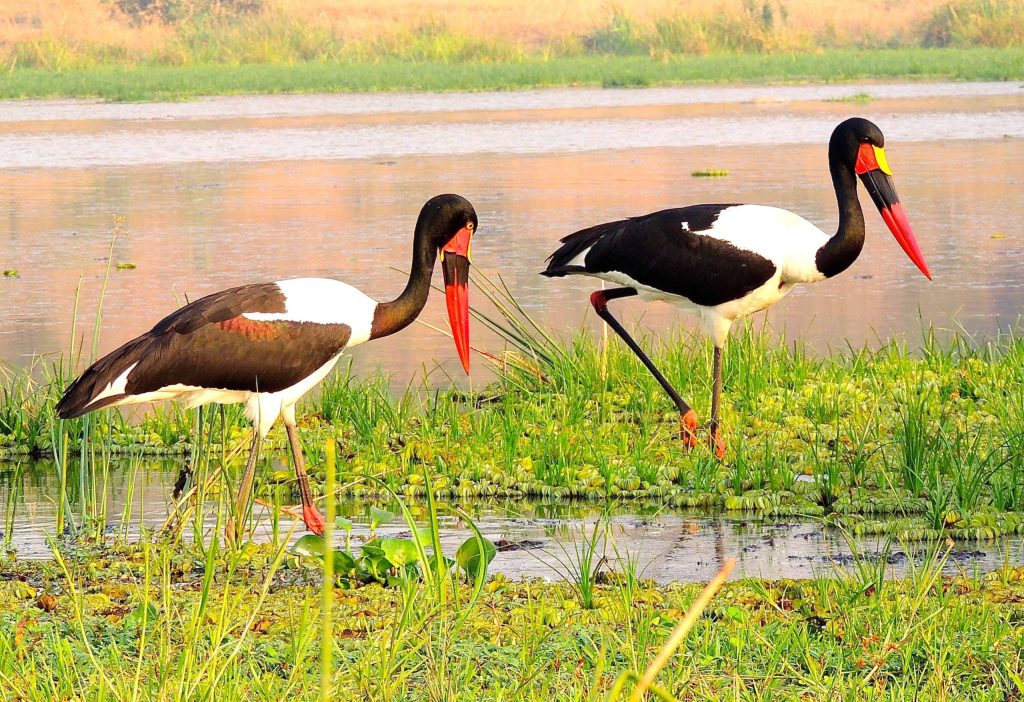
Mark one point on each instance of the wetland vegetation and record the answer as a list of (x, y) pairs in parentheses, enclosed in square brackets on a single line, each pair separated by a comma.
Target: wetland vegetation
[(920, 445), (173, 49)]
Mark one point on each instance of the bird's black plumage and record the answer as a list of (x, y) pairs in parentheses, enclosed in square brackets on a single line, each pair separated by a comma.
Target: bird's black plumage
[(657, 251), (210, 344)]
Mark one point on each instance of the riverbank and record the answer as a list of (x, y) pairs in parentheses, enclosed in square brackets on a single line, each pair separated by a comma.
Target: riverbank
[(159, 82)]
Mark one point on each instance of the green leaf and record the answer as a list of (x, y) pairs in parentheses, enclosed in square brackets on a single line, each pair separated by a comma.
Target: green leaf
[(401, 552), (469, 556), (343, 524), (447, 563), (146, 610), (343, 562), (309, 545), (424, 535), (379, 517), (372, 549)]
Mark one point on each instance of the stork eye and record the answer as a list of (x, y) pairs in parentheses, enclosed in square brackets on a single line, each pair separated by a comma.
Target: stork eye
[(469, 226)]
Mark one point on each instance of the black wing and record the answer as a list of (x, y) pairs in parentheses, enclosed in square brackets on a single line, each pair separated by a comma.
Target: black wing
[(657, 251), (210, 344)]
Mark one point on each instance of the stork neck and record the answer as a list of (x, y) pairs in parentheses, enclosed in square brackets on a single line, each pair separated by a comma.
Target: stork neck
[(845, 246), (399, 313)]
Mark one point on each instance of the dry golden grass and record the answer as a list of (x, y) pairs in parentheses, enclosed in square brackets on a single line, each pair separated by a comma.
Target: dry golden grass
[(59, 34), (79, 22)]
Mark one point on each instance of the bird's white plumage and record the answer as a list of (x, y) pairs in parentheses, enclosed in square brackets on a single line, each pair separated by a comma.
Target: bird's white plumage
[(324, 301), (786, 239)]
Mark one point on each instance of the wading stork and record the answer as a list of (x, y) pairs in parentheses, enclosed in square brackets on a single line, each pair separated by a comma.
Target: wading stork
[(724, 262), (268, 344)]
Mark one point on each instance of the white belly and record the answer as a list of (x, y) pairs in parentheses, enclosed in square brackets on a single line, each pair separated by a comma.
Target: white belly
[(716, 319)]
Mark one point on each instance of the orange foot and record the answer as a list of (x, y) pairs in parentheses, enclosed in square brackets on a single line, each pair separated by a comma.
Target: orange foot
[(717, 444), (314, 522), (688, 429)]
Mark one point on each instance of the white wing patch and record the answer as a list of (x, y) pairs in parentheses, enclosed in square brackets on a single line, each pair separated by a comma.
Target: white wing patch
[(784, 238), (324, 301), (116, 386)]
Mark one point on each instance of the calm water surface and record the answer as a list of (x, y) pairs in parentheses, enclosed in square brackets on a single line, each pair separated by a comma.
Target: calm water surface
[(542, 538), (224, 191)]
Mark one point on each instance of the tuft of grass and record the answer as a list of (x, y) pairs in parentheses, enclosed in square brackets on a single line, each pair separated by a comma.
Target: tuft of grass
[(997, 23)]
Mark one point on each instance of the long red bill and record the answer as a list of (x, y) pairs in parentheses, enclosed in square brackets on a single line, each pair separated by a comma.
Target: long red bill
[(455, 268), (896, 219)]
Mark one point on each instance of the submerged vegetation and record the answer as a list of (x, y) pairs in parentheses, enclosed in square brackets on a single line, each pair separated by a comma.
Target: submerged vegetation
[(170, 49)]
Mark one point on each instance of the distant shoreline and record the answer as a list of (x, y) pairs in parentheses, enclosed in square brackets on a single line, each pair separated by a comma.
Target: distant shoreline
[(151, 82)]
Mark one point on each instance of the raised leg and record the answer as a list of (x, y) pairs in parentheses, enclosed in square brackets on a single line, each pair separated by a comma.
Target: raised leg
[(687, 417), (310, 515), (234, 526), (717, 443)]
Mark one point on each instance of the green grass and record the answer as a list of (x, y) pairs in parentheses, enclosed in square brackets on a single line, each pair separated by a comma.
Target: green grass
[(922, 446), (159, 621), (912, 444), (160, 82)]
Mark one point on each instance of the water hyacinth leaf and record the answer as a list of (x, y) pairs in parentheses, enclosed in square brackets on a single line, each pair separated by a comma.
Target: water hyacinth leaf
[(446, 563), (372, 549), (379, 517), (469, 555), (344, 562), (343, 523), (400, 552), (309, 545), (146, 611), (424, 536)]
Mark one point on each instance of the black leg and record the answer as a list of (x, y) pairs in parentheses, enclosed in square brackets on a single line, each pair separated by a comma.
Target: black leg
[(310, 515), (717, 444), (687, 417), (234, 526)]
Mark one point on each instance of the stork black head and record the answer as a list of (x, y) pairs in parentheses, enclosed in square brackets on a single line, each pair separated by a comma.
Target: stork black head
[(860, 146), (447, 224)]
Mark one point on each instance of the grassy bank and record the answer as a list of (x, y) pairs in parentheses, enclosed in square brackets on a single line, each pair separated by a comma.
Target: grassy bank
[(170, 49), (918, 444), (154, 82), (167, 622)]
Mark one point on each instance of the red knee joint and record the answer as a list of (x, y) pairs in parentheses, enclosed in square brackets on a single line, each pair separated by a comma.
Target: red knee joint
[(598, 300)]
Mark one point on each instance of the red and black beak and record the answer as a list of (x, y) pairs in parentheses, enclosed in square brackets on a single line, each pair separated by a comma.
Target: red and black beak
[(455, 268), (874, 172)]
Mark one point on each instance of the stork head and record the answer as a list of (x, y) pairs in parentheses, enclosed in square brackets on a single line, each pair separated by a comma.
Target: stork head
[(861, 145), (450, 222)]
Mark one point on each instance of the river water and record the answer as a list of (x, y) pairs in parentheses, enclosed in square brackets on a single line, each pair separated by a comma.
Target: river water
[(204, 195)]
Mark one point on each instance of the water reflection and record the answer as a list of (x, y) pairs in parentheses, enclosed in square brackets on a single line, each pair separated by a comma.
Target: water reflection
[(200, 208), (536, 538)]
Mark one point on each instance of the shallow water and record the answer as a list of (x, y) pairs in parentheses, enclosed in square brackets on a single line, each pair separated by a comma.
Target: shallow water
[(535, 538), (223, 191)]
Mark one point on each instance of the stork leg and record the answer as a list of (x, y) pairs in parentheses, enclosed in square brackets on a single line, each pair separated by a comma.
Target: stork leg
[(687, 417), (717, 443), (310, 514), (234, 527)]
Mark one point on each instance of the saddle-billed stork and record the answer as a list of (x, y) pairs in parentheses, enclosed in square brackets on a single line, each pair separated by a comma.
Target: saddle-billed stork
[(727, 261), (268, 344)]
